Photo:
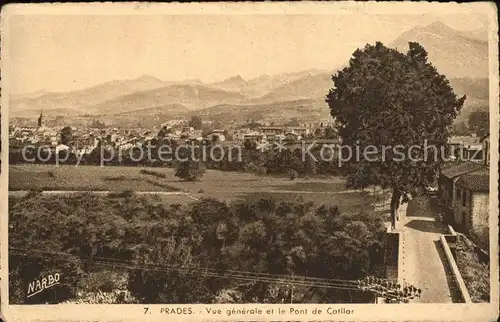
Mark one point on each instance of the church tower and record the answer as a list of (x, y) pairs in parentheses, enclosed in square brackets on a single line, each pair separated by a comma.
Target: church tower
[(41, 121)]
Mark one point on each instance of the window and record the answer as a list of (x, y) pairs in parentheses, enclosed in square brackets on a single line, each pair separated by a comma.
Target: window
[(464, 198), (459, 193)]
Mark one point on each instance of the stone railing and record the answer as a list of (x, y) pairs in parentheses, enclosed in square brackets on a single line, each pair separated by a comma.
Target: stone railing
[(452, 264), (394, 240)]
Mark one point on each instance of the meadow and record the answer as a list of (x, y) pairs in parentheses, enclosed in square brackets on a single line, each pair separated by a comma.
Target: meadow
[(83, 178), (226, 186)]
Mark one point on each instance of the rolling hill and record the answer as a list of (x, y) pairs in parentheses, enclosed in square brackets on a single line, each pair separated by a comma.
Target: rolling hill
[(170, 110), (257, 88), (477, 91), (478, 87), (461, 55), (275, 111), (452, 52), (312, 86), (190, 96), (76, 101)]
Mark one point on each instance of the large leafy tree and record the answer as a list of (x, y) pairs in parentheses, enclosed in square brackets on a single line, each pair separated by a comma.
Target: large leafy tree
[(386, 98)]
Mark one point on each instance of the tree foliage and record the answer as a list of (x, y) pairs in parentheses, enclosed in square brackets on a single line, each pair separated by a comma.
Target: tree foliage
[(385, 98), (195, 122), (97, 124), (66, 135), (460, 128), (479, 122), (260, 236), (190, 170)]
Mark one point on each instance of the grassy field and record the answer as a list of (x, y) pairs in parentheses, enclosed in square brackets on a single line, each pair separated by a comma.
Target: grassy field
[(84, 178), (227, 186)]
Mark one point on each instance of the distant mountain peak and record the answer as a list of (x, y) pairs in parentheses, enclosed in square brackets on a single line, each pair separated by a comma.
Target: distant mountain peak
[(263, 76), (146, 77), (437, 25), (236, 78), (440, 28), (455, 53)]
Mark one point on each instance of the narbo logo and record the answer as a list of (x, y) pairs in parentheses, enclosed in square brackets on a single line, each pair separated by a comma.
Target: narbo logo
[(39, 285)]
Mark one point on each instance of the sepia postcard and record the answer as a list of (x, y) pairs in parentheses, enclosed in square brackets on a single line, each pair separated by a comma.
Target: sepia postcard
[(249, 161)]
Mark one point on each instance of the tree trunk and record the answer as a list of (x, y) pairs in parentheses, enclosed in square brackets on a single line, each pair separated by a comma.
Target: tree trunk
[(395, 201)]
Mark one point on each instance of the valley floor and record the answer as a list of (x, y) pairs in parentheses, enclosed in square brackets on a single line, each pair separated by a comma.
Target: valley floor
[(226, 186)]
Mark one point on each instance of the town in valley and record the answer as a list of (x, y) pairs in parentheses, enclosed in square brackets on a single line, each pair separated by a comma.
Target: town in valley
[(266, 198)]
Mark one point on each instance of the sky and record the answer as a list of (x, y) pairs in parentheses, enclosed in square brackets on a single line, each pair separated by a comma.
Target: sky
[(62, 53)]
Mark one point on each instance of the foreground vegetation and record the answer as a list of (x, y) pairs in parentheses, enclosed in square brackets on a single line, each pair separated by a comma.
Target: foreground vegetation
[(264, 236), (474, 268)]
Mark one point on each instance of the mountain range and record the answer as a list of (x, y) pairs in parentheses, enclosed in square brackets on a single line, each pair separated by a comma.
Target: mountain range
[(461, 56)]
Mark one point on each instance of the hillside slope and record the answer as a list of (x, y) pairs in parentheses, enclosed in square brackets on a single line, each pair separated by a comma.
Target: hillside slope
[(453, 53)]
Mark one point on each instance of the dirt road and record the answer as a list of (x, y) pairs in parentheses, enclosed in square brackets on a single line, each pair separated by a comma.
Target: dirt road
[(424, 264)]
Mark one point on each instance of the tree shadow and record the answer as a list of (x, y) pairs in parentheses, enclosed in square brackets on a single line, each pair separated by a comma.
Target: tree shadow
[(161, 185), (427, 226), (419, 207), (455, 295)]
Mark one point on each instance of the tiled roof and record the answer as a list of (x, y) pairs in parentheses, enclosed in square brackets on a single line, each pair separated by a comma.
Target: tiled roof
[(478, 180), (465, 140), (455, 170)]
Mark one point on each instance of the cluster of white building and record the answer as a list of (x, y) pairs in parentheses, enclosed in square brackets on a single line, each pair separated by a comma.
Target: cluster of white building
[(84, 141)]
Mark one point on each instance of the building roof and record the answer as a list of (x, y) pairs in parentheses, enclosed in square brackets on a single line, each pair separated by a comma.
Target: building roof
[(473, 146), (325, 141), (465, 140), (458, 169), (478, 180), (271, 127), (253, 134)]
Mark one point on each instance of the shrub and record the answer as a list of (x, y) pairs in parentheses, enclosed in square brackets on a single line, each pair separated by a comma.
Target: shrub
[(34, 192), (117, 178), (190, 171), (256, 169), (153, 173), (122, 194), (261, 171)]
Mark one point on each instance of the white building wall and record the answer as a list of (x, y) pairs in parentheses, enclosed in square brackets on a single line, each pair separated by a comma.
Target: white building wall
[(480, 217)]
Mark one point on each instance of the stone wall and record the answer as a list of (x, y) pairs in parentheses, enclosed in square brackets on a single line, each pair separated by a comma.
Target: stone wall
[(480, 218)]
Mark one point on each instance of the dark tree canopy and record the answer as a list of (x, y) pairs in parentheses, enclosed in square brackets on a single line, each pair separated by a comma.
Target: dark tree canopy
[(190, 170), (250, 145), (460, 128), (98, 124), (259, 235), (195, 122), (66, 135), (479, 122), (385, 98)]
